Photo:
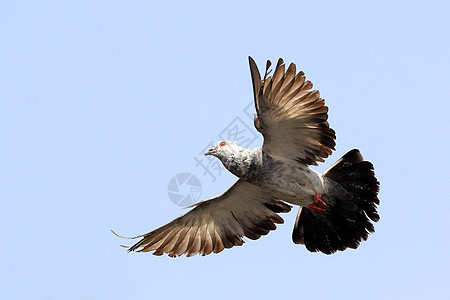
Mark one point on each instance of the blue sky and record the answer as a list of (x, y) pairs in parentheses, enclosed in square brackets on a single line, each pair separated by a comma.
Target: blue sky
[(102, 104)]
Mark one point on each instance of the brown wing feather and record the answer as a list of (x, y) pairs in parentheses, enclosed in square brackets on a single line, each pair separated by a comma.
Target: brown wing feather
[(217, 223), (291, 117)]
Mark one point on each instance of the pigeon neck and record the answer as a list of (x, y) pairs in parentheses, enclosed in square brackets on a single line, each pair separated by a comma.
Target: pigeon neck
[(243, 161)]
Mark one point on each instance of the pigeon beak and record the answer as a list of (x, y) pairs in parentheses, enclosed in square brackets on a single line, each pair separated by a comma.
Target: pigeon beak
[(210, 152)]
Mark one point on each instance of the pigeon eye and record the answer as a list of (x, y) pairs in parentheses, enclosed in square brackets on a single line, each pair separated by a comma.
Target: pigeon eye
[(222, 144)]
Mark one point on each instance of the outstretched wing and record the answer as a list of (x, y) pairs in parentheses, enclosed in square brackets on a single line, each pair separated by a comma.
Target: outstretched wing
[(291, 117), (217, 223)]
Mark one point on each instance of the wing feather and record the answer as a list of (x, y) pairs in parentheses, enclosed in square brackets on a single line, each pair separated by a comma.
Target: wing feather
[(291, 116), (217, 223)]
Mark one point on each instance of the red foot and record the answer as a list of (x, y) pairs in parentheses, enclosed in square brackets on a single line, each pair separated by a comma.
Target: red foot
[(318, 203)]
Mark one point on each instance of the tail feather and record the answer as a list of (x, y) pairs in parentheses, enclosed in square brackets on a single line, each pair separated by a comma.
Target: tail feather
[(348, 220)]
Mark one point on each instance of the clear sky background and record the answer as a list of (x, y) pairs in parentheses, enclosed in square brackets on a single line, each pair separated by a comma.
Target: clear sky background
[(103, 102)]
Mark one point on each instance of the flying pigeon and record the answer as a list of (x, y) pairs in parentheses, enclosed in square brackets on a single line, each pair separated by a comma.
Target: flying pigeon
[(336, 208)]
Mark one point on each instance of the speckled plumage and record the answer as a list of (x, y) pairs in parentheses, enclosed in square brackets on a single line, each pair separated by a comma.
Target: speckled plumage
[(337, 208), (293, 182)]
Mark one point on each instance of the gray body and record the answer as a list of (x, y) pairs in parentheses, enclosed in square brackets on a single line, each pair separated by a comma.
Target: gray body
[(290, 181)]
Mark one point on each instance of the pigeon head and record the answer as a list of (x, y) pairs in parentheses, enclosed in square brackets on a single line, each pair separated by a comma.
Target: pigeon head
[(223, 149), (235, 159)]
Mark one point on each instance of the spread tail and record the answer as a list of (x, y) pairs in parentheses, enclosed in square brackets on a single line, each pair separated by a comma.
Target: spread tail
[(348, 217)]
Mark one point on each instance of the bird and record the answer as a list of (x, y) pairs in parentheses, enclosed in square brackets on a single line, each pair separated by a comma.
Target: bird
[(337, 209)]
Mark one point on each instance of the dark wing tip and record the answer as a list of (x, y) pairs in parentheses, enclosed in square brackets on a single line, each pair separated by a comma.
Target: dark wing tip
[(253, 67), (256, 78), (280, 61)]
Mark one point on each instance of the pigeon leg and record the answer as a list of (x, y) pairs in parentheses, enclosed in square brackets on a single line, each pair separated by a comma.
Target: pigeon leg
[(318, 202)]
